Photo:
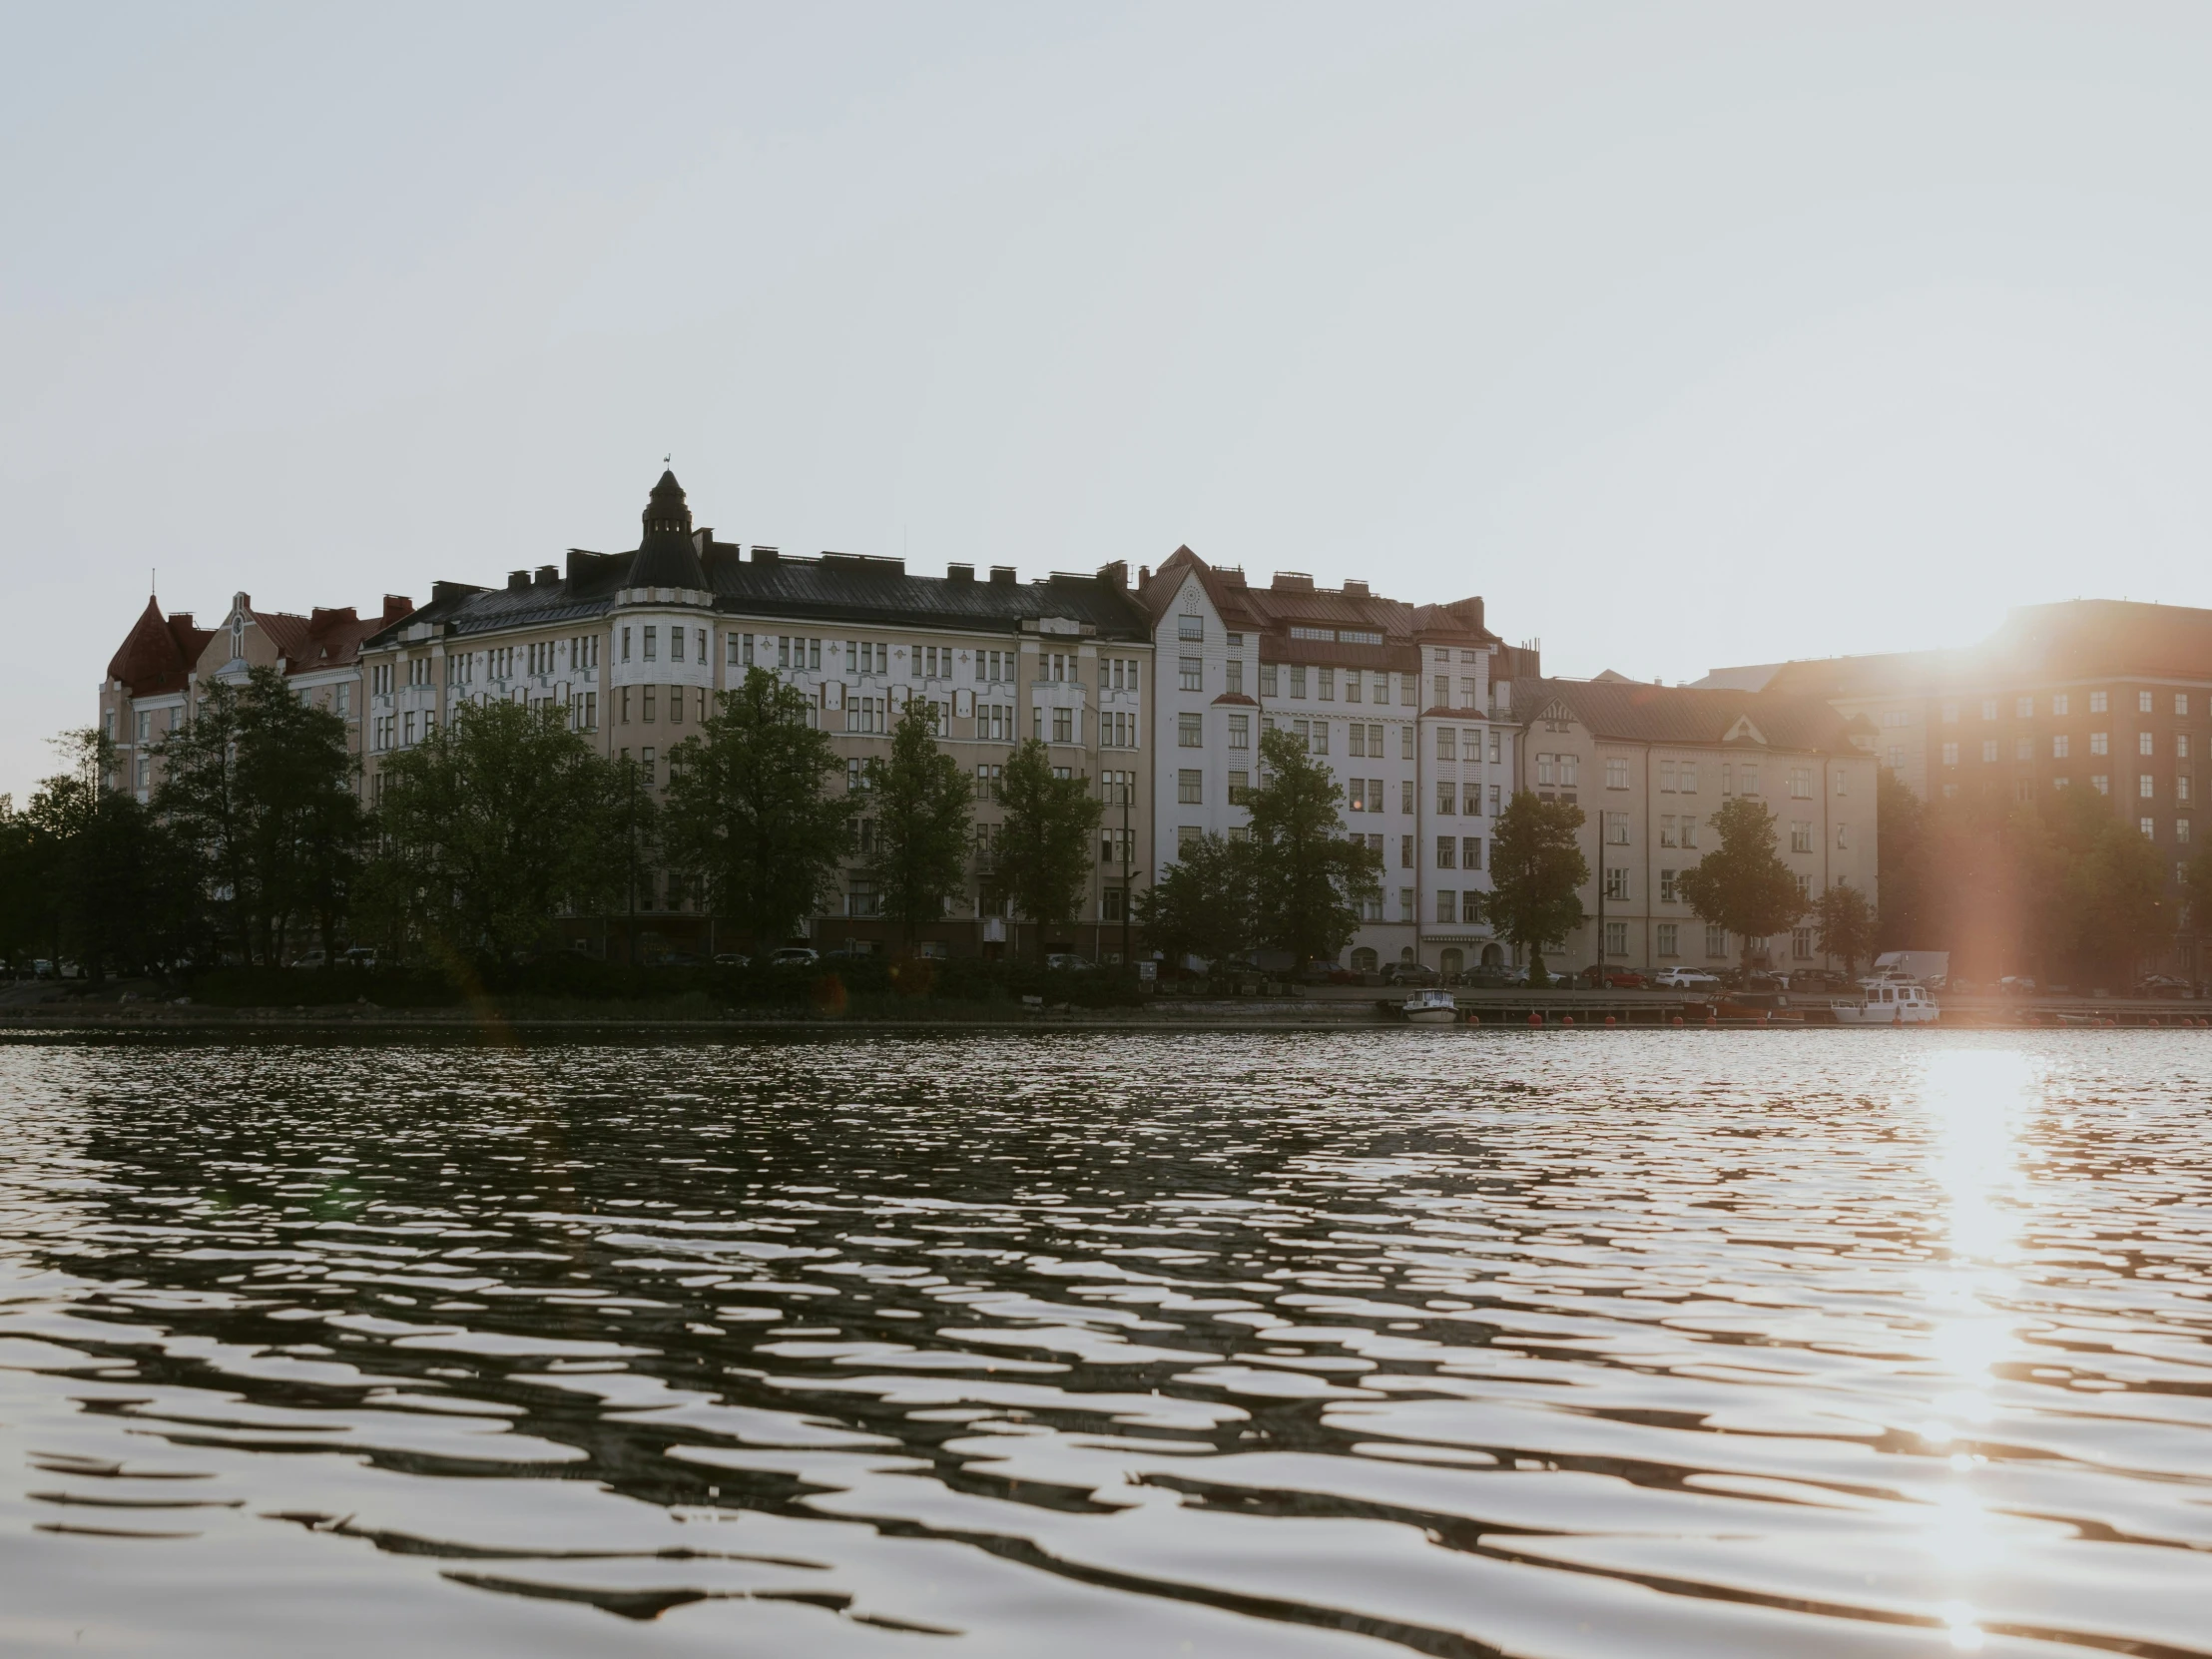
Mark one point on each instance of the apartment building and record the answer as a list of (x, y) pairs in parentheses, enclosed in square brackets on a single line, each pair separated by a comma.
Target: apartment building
[(2098, 693), (1650, 764), (159, 674), (634, 645), (1405, 704)]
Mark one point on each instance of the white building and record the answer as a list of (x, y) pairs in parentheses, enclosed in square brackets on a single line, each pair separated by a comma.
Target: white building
[(1410, 707)]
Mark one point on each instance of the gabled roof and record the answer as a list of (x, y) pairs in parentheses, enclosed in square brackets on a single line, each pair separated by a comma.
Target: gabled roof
[(1629, 711), (1293, 601)]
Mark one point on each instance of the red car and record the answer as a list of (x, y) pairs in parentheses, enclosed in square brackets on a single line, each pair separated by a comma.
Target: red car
[(1626, 979)]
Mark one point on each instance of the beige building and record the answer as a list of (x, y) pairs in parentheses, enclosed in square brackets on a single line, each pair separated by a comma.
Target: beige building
[(634, 645), (1650, 764), (159, 674)]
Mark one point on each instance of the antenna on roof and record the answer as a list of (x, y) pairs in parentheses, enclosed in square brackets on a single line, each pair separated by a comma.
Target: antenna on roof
[(669, 459)]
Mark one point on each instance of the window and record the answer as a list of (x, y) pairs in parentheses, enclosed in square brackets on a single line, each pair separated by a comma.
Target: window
[(1240, 730), (1406, 852), (1716, 941), (1356, 793), (1319, 743), (1801, 836), (2149, 826), (1667, 932), (1298, 680), (1686, 774), (1193, 671), (1327, 684), (2181, 787), (1267, 679), (2146, 787), (1547, 771), (1443, 698), (2145, 743), (1616, 829), (2023, 707), (1447, 904), (647, 693), (1750, 778), (2181, 832), (1842, 838), (1188, 627), (1374, 744), (1666, 831), (1063, 724), (1689, 832), (1359, 745), (1190, 730), (1801, 943), (1408, 693), (1666, 777), (1800, 783), (625, 644), (1989, 749), (1897, 756), (1405, 744), (1233, 675), (2060, 703), (1616, 774), (1351, 685), (1188, 790), (861, 898), (1447, 797), (2097, 703), (644, 765), (1951, 755), (1448, 743), (2181, 703), (1988, 708), (1666, 891), (1616, 883), (2100, 783), (1406, 796), (1616, 938), (1447, 851), (1240, 787), (2142, 703), (651, 642), (2060, 746), (2181, 740), (2024, 749), (2100, 743)]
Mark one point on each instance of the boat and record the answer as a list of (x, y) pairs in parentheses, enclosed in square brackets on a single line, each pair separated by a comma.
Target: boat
[(1431, 1007), (1888, 1003)]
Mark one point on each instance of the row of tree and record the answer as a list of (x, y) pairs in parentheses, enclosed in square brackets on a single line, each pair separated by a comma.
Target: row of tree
[(257, 844)]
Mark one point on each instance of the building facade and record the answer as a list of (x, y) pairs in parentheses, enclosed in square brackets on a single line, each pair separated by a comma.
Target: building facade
[(159, 674), (1410, 706), (2091, 693), (634, 647), (1650, 764)]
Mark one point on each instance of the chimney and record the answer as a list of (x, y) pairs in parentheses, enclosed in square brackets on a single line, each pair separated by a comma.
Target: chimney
[(1292, 581), (1115, 575), (1356, 590), (548, 574), (959, 573), (396, 605), (517, 580), (765, 555), (1003, 576)]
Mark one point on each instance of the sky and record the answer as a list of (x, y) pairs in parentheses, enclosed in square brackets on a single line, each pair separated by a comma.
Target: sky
[(1686, 335)]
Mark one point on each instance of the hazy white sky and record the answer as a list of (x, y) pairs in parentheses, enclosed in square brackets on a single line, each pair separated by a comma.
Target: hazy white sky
[(1687, 335)]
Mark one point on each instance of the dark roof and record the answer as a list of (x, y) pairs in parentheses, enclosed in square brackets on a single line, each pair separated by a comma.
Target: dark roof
[(160, 653), (2078, 639), (1292, 601), (1628, 711), (847, 588)]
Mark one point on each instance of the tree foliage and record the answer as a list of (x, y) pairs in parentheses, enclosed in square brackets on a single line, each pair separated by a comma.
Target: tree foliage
[(1847, 925), (752, 814), (1205, 905), (1309, 877), (259, 787), (491, 828), (1902, 836), (1045, 850), (1536, 876), (921, 804), (1743, 884)]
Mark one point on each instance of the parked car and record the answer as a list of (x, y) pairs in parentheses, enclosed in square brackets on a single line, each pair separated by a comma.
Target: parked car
[(1687, 979), (1066, 961), (2161, 985), (795, 955), (2015, 984), (1492, 977), (314, 959), (1625, 979), (732, 958), (1817, 980), (680, 958), (360, 956), (1412, 973)]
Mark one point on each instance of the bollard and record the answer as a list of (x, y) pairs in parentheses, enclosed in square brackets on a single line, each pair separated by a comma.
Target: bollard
[(1536, 1019), (1678, 1019), (1608, 1019), (1566, 1019)]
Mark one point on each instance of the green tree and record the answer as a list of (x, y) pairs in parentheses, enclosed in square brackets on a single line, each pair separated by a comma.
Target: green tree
[(1205, 905), (30, 920), (1743, 884), (751, 813), (1308, 877), (259, 787), (1906, 845), (2196, 899), (1536, 874), (118, 889), (921, 804), (491, 828), (2104, 886), (1846, 924), (1044, 852)]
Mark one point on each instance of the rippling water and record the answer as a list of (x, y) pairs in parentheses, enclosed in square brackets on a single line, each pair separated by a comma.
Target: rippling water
[(1443, 1343)]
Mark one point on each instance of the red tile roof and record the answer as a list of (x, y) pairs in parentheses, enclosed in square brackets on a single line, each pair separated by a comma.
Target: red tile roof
[(158, 653)]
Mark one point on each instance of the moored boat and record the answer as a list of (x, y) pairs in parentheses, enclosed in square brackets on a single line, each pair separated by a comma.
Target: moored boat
[(1431, 1007)]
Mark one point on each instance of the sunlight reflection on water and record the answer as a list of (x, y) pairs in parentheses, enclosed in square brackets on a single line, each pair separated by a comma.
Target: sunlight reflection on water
[(1617, 1344)]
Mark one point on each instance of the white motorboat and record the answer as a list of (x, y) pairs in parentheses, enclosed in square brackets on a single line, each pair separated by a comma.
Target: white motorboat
[(1885, 1004), (1431, 1007)]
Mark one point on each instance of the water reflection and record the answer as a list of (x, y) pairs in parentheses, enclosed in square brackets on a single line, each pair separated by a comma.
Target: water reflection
[(1326, 1343)]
